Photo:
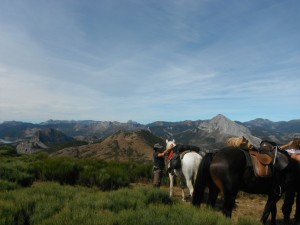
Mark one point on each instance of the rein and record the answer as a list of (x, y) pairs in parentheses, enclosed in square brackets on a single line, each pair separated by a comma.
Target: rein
[(275, 156)]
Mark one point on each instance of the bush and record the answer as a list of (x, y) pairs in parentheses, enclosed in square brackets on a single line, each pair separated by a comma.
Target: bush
[(25, 169), (8, 150), (63, 170), (16, 172), (7, 185)]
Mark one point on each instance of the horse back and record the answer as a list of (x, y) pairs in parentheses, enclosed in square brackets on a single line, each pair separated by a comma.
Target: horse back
[(190, 163), (228, 167), (229, 158), (230, 172)]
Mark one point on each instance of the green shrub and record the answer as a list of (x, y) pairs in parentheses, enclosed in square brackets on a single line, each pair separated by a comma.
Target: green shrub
[(8, 150), (16, 171), (7, 185), (24, 169), (63, 170), (50, 203)]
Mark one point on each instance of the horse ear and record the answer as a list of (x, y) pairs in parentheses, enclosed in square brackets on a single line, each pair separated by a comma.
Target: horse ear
[(173, 141), (167, 141)]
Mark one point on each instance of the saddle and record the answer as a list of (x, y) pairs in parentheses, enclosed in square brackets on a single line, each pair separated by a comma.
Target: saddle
[(176, 154), (260, 161), (176, 158)]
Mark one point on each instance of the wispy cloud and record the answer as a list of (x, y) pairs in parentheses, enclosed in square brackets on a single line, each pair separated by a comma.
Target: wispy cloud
[(149, 60)]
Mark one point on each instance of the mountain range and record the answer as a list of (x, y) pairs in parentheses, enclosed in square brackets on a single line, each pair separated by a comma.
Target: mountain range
[(101, 139)]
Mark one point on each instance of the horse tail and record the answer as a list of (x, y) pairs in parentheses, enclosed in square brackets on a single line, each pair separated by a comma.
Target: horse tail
[(203, 179)]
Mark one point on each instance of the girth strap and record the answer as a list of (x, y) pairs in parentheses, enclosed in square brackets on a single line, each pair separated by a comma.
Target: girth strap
[(248, 157)]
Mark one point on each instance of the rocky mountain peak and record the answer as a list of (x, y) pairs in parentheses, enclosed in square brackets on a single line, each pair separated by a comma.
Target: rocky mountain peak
[(227, 128), (219, 122)]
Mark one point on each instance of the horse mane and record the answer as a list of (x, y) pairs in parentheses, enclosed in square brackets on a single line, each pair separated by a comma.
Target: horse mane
[(230, 148), (239, 142)]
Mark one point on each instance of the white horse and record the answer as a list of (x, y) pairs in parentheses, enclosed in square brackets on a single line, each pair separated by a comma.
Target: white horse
[(187, 173)]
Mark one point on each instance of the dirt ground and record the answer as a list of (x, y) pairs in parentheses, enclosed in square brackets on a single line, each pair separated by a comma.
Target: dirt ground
[(249, 205)]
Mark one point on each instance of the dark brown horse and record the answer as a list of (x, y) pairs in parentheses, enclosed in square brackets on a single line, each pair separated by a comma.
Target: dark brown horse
[(228, 171)]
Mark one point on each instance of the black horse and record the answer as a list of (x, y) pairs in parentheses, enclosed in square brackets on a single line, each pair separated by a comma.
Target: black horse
[(228, 171)]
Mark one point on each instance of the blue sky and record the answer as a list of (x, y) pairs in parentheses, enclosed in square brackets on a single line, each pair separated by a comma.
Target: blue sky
[(149, 60)]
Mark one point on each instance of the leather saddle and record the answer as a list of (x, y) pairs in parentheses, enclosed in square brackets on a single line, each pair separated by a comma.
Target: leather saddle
[(260, 159), (261, 163)]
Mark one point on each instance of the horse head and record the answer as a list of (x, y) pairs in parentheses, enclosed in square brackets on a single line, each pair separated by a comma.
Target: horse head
[(170, 144)]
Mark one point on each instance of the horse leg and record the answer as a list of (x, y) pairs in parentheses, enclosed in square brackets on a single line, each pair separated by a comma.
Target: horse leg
[(182, 180), (227, 185), (183, 195), (190, 186), (212, 195), (229, 202), (171, 177), (266, 212), (182, 185), (273, 214), (270, 207), (297, 212)]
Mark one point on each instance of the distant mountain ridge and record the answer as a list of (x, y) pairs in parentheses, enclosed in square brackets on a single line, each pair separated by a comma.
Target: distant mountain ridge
[(42, 140), (207, 134), (12, 130)]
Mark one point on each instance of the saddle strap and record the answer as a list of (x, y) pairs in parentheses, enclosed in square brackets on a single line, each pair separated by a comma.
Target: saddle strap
[(183, 153)]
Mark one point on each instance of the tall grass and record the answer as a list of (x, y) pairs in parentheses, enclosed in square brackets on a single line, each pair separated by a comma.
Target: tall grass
[(50, 203)]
